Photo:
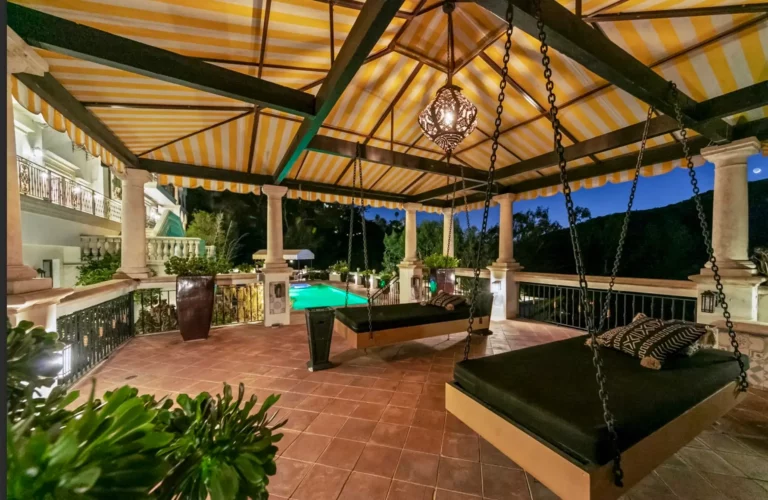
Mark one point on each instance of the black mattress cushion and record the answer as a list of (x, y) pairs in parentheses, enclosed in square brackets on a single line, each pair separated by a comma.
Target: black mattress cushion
[(551, 391), (397, 316)]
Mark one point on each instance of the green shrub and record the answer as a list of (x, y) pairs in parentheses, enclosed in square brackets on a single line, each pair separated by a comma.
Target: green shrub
[(220, 448), (156, 314), (94, 270), (439, 261), (340, 267), (196, 266)]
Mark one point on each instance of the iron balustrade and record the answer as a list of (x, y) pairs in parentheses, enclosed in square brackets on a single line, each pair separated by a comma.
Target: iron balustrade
[(387, 295), (44, 184), (561, 305), (156, 310), (92, 334)]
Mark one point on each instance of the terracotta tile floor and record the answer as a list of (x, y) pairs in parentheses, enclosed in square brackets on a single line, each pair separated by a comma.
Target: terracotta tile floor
[(375, 427)]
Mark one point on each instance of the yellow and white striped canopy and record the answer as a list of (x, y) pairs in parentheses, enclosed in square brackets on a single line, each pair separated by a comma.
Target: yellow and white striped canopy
[(706, 56)]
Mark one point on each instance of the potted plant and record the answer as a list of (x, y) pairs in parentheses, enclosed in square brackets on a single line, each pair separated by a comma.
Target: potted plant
[(442, 274), (195, 286), (384, 279), (338, 271)]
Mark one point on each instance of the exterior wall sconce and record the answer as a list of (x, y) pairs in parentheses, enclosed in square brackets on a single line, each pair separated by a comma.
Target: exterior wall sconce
[(497, 286), (416, 287), (708, 301)]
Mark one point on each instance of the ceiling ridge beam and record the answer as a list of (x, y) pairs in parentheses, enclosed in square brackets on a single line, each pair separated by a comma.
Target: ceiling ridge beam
[(731, 31), (339, 147), (578, 41), (51, 91), (90, 44), (371, 23), (673, 13)]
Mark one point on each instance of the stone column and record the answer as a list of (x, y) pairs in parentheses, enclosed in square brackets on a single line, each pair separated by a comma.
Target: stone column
[(28, 297), (449, 233), (410, 267), (277, 273), (730, 232), (503, 285), (133, 252)]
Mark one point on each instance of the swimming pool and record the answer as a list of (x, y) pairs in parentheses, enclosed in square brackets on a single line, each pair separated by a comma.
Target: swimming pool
[(304, 295)]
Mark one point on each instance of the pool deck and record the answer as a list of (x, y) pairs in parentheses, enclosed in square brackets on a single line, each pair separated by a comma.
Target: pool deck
[(375, 427)]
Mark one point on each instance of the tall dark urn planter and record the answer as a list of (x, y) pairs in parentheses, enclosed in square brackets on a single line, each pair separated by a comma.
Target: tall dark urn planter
[(194, 305), (319, 334)]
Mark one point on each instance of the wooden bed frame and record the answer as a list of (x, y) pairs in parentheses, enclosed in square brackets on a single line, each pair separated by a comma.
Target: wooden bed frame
[(564, 475), (406, 333)]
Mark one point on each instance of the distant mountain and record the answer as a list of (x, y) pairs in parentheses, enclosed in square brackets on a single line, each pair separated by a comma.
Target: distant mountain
[(664, 243)]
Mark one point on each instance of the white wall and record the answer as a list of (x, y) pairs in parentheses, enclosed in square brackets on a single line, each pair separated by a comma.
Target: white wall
[(39, 229)]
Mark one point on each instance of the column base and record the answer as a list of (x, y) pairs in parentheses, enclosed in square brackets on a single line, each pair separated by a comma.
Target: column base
[(741, 293), (410, 292), (134, 273), (19, 273), (277, 301), (732, 268), (39, 307), (29, 285), (505, 290)]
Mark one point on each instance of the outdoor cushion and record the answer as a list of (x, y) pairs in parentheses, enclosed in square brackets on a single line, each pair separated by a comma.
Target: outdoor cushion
[(397, 316), (550, 390)]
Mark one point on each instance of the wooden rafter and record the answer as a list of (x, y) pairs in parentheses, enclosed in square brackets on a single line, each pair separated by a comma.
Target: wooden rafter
[(66, 37), (373, 20), (673, 13), (204, 129), (573, 38)]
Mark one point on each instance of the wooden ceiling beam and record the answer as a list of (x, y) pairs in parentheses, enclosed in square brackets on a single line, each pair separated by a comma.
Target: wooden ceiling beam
[(575, 39), (347, 149), (673, 13), (51, 91), (83, 42), (369, 26), (358, 5)]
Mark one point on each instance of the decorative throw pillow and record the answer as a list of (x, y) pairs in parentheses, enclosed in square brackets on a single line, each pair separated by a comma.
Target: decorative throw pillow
[(438, 297), (652, 340), (446, 300)]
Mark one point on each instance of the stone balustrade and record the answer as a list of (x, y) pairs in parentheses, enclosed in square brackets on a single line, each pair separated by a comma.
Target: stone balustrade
[(159, 249)]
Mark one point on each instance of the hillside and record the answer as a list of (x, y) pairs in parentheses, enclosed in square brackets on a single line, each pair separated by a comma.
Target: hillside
[(663, 242)]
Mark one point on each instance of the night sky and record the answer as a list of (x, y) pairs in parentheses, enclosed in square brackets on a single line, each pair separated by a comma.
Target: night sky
[(652, 192)]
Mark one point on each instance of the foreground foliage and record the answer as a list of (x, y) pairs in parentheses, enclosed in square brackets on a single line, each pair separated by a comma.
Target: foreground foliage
[(95, 270), (197, 266)]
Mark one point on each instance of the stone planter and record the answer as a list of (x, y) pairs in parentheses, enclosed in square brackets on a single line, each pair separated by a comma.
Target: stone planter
[(319, 334), (194, 304), (335, 276)]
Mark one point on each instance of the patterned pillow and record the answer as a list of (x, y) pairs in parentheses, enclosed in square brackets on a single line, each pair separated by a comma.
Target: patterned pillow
[(446, 300), (652, 340)]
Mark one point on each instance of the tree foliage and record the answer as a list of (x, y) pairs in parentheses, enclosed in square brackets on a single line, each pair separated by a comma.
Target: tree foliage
[(95, 270)]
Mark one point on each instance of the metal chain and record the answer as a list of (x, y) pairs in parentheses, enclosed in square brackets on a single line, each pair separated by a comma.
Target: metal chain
[(618, 473), (365, 243), (625, 225), (351, 224), (742, 381), (489, 185)]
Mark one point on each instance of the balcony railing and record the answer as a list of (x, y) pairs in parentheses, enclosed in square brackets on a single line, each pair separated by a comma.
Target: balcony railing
[(159, 248), (44, 184), (556, 299)]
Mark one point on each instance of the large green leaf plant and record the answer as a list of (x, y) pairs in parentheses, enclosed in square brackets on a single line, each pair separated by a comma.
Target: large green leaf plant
[(127, 446)]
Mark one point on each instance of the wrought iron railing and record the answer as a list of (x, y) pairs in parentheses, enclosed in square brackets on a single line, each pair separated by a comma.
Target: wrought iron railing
[(233, 303), (92, 334), (561, 305), (461, 286), (388, 294), (42, 183)]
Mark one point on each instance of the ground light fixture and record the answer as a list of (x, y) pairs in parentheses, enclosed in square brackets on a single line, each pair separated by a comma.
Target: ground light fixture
[(450, 117)]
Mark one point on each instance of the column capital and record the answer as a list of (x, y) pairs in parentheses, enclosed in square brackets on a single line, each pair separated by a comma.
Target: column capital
[(413, 207), (273, 191), (735, 152), (506, 197), (22, 58), (136, 177)]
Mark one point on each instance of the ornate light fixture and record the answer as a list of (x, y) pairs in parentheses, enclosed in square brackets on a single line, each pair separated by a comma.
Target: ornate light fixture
[(450, 117)]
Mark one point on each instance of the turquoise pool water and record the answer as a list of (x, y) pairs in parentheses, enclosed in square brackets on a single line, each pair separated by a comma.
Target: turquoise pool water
[(320, 295)]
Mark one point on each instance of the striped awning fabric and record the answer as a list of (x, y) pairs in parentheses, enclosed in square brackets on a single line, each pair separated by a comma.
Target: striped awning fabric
[(294, 43)]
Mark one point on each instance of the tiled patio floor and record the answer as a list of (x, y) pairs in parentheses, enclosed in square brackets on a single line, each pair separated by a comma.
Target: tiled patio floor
[(375, 427)]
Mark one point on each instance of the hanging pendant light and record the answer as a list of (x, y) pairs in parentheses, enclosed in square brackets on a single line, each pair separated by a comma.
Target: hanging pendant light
[(450, 117)]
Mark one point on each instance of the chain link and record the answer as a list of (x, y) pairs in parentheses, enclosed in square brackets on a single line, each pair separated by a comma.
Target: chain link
[(618, 473), (351, 224), (743, 384), (365, 243), (489, 185), (453, 204)]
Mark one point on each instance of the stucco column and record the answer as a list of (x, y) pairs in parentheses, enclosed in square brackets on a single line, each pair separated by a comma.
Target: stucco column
[(449, 233), (133, 251), (730, 234), (410, 267), (730, 209), (277, 273), (29, 297), (274, 226), (504, 287)]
